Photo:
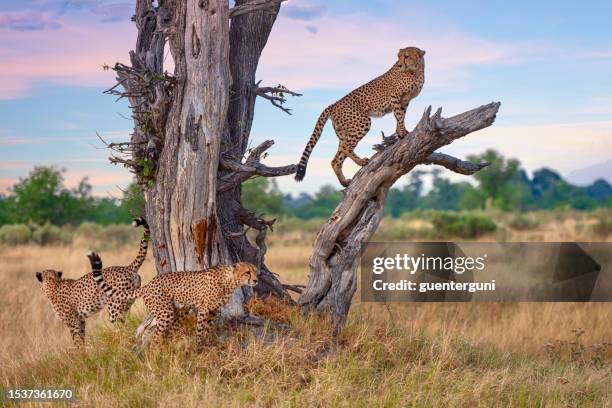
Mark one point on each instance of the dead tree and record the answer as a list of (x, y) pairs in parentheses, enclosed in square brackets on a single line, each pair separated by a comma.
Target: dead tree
[(189, 149), (191, 131), (336, 251)]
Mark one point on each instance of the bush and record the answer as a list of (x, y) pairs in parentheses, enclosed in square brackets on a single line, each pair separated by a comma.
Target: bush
[(15, 234), (109, 236), (120, 234), (522, 222), (89, 230), (461, 225), (51, 235)]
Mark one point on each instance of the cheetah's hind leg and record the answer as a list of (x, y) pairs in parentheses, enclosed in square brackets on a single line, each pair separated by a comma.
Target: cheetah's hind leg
[(337, 166), (352, 133), (118, 310)]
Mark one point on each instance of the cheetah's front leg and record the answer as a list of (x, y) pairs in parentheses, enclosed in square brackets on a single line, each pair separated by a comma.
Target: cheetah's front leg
[(399, 112), (203, 327), (76, 324)]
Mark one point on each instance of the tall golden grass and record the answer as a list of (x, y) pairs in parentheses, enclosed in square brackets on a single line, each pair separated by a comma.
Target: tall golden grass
[(524, 354)]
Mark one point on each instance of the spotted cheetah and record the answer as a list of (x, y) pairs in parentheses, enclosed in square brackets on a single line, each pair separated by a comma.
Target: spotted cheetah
[(392, 91), (74, 300), (205, 291)]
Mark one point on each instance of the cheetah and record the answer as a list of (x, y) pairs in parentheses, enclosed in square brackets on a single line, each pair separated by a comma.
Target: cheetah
[(205, 291), (74, 300), (392, 91)]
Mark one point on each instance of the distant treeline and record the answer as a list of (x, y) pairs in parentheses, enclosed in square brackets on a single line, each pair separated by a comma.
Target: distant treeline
[(42, 198), (503, 185)]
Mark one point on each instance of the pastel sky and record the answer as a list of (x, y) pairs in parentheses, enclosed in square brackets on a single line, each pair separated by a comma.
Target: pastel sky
[(549, 63)]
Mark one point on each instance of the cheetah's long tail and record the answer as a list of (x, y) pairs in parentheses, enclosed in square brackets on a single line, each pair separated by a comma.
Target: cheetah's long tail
[(96, 271), (316, 134), (144, 244)]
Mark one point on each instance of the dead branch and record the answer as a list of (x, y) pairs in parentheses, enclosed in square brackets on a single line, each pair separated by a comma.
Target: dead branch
[(454, 164), (276, 95), (336, 250), (256, 5), (251, 167)]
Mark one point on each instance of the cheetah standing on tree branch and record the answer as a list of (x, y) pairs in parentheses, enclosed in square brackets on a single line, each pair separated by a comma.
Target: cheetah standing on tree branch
[(392, 91)]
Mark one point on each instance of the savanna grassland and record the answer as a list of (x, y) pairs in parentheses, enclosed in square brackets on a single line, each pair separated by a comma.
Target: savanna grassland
[(402, 354)]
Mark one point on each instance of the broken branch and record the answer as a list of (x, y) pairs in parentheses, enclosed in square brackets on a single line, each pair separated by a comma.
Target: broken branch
[(251, 167), (276, 95)]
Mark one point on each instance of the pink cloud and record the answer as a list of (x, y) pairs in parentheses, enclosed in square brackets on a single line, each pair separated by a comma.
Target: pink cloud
[(72, 55), (348, 50), (27, 21)]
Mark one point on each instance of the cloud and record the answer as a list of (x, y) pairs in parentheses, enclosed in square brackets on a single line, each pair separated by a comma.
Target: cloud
[(303, 12), (105, 180), (27, 21), (561, 146), (349, 50), (108, 13), (312, 29), (70, 56), (12, 141)]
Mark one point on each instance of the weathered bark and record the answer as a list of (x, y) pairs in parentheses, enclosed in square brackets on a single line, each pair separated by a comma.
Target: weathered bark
[(183, 201), (333, 263), (248, 36), (192, 130), (179, 123)]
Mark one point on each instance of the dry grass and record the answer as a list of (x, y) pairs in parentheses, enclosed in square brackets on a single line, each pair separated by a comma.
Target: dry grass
[(526, 354)]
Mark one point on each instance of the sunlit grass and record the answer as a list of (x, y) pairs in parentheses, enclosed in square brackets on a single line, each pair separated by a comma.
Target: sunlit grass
[(402, 354)]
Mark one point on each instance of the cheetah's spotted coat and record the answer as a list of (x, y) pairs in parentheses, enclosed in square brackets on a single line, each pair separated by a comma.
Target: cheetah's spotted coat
[(206, 291), (74, 300), (392, 91)]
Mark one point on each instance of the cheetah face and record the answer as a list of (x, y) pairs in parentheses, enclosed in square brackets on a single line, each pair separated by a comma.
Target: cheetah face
[(410, 59), (245, 273), (49, 275), (49, 280)]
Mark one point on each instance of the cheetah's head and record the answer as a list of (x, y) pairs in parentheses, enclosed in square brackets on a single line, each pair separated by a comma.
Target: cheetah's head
[(410, 59), (49, 278), (49, 274), (245, 273)]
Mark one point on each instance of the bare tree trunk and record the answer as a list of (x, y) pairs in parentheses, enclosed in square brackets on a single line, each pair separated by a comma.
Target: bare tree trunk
[(183, 202), (248, 36), (337, 247), (192, 129)]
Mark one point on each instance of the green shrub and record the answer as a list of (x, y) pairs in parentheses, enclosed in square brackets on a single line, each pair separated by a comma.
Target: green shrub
[(49, 234), (461, 225), (523, 222), (89, 230), (15, 234), (108, 236), (120, 234)]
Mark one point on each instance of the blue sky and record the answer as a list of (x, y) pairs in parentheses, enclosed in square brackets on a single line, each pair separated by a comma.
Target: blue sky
[(549, 64)]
